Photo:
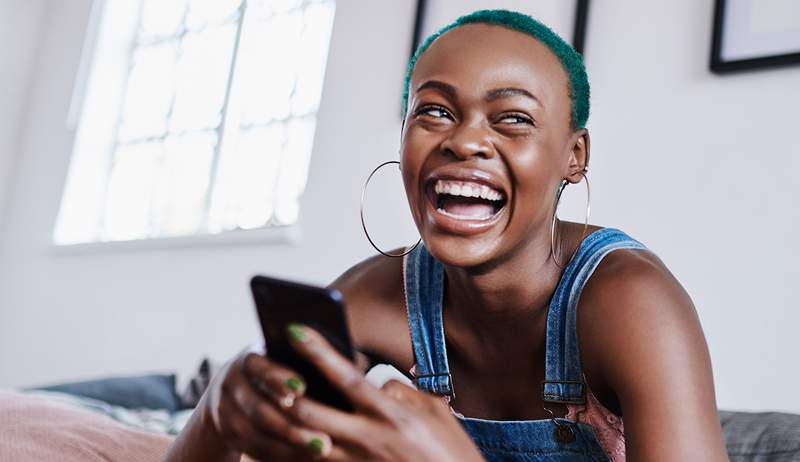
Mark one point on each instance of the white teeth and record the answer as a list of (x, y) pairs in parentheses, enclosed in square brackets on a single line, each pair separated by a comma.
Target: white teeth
[(455, 188), (462, 217)]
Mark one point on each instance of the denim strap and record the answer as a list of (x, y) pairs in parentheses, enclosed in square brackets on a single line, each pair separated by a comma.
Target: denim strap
[(424, 284), (563, 374)]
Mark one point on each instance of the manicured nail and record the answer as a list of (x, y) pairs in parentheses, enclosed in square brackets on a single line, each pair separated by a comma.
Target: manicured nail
[(296, 384), (317, 445), (297, 333)]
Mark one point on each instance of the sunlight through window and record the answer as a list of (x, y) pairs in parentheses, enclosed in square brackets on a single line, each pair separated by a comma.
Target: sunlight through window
[(198, 117)]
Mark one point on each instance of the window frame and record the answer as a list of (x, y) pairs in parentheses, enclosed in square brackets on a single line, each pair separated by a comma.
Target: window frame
[(270, 233)]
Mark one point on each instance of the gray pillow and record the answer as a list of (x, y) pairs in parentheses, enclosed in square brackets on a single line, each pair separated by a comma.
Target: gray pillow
[(761, 437), (144, 391)]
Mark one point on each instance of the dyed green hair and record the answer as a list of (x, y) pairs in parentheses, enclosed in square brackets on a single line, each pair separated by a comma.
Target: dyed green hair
[(570, 59)]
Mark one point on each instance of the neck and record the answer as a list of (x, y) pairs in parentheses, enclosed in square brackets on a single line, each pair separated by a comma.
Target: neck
[(489, 300), (484, 301)]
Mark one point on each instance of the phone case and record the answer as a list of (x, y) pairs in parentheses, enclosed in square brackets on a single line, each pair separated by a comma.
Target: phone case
[(279, 303)]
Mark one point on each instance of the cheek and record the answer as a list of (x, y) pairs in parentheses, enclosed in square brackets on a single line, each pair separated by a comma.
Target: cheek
[(411, 166), (536, 178), (413, 153)]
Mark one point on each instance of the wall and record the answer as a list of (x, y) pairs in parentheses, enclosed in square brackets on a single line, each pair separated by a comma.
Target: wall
[(20, 22), (699, 167)]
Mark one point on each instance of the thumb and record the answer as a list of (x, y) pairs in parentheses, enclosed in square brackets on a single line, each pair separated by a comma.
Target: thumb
[(400, 391)]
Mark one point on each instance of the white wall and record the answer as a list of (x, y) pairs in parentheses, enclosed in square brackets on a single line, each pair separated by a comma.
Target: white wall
[(702, 168), (20, 22), (65, 317)]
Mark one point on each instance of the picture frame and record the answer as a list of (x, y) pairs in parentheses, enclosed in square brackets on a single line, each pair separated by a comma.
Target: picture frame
[(579, 20), (754, 34)]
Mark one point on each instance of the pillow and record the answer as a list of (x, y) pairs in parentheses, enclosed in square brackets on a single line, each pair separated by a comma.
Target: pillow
[(139, 392), (35, 428), (762, 437)]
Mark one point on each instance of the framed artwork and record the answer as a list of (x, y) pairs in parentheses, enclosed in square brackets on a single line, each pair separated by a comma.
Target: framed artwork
[(568, 19), (755, 34)]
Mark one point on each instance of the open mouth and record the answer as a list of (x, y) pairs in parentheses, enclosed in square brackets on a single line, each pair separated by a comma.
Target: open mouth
[(466, 200)]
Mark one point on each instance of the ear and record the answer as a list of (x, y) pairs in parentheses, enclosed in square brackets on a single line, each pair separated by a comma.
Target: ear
[(579, 147)]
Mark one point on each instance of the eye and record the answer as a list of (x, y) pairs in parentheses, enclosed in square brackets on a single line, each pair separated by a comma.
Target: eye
[(515, 119), (437, 112)]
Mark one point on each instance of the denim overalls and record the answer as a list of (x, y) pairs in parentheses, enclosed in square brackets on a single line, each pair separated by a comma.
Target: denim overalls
[(546, 440)]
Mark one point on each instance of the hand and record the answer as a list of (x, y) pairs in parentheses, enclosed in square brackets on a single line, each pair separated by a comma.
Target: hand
[(245, 404), (395, 423)]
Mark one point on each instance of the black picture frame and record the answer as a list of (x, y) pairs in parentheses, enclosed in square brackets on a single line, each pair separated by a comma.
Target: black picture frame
[(719, 65), (578, 32)]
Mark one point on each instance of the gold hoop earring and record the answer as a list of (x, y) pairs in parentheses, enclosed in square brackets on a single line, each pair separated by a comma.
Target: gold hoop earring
[(364, 224), (561, 188)]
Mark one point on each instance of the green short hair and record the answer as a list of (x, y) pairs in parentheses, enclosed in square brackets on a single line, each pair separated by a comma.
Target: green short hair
[(570, 59)]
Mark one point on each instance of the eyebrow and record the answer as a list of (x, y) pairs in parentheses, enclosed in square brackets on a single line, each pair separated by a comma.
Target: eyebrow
[(509, 92), (491, 95), (445, 88)]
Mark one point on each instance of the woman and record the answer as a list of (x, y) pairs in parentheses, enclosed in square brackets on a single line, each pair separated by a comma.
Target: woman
[(554, 332)]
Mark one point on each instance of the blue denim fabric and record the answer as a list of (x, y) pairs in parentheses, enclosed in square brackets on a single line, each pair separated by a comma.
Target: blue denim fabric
[(527, 440)]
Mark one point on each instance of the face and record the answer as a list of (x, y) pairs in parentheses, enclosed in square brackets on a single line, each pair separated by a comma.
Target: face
[(486, 142)]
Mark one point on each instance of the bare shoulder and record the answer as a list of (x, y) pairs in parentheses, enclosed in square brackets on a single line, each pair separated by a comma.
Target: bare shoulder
[(637, 323), (632, 288), (644, 348), (375, 300)]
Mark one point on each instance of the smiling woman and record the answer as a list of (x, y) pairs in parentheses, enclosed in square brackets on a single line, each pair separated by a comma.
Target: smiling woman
[(601, 358)]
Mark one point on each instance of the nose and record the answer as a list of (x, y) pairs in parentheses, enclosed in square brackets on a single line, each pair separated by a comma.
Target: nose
[(466, 141)]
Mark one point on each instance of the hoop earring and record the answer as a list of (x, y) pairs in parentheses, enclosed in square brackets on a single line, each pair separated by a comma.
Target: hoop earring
[(364, 224), (561, 188)]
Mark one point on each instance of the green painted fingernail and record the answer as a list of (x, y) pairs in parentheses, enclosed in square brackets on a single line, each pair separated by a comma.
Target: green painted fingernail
[(316, 445), (296, 384), (296, 332)]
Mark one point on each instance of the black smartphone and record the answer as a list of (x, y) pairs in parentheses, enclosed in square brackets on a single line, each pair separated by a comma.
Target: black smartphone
[(280, 303)]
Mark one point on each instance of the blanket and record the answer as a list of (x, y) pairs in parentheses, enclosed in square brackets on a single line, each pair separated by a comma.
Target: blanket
[(41, 429)]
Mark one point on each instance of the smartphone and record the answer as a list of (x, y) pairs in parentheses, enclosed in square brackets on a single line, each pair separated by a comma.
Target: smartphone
[(280, 303)]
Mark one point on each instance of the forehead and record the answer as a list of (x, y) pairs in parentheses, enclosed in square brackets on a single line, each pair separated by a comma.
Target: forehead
[(478, 57)]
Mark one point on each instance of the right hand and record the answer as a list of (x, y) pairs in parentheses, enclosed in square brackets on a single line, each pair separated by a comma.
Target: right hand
[(245, 404)]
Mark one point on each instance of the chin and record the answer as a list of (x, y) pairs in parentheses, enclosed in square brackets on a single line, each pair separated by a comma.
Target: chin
[(464, 243), (462, 252)]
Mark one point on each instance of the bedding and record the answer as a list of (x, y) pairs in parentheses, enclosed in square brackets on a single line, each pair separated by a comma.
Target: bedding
[(152, 391), (150, 420), (37, 428), (141, 415)]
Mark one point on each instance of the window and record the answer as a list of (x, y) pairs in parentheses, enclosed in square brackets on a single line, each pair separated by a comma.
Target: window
[(198, 117)]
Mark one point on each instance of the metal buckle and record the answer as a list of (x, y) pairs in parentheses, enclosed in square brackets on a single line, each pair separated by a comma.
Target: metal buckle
[(569, 382), (449, 376), (563, 432)]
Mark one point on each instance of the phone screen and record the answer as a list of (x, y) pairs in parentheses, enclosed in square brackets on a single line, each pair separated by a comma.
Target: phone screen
[(280, 303)]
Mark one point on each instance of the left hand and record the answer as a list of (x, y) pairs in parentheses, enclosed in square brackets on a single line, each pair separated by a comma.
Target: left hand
[(394, 423)]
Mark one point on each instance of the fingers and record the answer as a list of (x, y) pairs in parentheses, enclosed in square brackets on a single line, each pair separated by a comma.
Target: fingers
[(337, 369), (341, 426), (258, 423), (246, 438), (249, 440), (280, 384), (362, 362), (339, 454), (400, 391)]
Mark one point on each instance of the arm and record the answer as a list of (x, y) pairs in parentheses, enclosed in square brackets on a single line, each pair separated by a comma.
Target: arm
[(645, 337), (199, 441)]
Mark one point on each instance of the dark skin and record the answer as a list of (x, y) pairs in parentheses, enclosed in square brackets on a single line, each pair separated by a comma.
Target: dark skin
[(495, 101)]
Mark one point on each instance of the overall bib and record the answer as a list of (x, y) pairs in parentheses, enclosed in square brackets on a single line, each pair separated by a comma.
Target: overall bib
[(544, 440)]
